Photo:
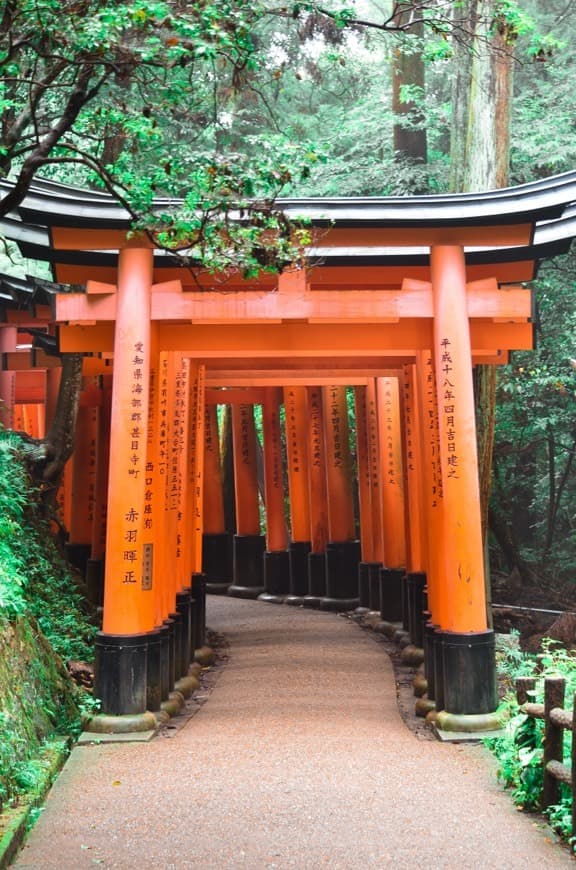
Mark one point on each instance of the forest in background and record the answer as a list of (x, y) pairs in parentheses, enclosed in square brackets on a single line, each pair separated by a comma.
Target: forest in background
[(233, 103)]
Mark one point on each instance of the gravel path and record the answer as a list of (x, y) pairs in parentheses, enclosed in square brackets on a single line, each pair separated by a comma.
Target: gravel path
[(298, 759)]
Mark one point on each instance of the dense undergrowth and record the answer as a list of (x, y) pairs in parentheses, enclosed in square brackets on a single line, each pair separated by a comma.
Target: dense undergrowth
[(520, 750), (43, 624)]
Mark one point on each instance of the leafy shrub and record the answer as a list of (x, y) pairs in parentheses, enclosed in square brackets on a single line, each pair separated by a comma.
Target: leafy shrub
[(520, 750)]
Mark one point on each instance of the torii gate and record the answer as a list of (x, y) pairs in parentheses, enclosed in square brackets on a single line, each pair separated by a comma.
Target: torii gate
[(403, 297)]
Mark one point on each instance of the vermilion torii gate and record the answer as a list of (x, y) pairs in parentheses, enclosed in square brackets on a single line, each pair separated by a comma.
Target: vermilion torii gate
[(403, 297)]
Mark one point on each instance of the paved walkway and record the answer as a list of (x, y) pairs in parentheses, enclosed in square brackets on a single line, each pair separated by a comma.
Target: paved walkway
[(298, 759)]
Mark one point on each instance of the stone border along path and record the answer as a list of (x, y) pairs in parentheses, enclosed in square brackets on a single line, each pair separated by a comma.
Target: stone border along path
[(299, 758)]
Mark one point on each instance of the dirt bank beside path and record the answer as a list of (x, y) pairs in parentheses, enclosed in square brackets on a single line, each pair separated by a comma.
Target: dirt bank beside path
[(299, 758)]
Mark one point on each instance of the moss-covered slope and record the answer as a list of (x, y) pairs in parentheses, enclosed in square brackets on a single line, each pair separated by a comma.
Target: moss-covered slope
[(43, 623)]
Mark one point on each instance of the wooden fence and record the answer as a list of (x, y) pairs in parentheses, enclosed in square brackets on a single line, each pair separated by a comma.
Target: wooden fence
[(556, 721)]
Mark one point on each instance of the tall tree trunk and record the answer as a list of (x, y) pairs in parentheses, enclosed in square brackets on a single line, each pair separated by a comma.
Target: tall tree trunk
[(50, 455), (480, 148), (408, 70)]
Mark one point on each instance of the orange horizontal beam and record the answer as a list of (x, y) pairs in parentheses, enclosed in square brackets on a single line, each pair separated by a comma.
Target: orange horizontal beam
[(414, 300), (300, 339), (489, 336), (282, 379), (251, 395), (320, 277)]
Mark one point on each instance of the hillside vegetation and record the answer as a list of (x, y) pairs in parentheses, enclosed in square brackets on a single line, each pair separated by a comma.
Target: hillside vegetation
[(42, 626)]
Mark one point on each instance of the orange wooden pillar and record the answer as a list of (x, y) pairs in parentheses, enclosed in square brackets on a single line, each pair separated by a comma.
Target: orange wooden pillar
[(364, 497), (373, 436), (468, 644), (296, 407), (198, 409), (249, 544), (79, 545), (414, 519), (216, 542), (122, 645), (161, 671), (187, 441), (172, 547), (342, 550), (433, 513), (276, 558), (196, 484), (318, 500), (393, 518), (8, 338)]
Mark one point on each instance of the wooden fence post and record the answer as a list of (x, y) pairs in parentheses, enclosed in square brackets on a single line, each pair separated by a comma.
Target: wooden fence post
[(523, 686), (573, 767), (554, 689)]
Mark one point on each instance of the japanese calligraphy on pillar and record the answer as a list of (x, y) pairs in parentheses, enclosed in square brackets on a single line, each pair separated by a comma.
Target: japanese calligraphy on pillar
[(92, 455), (150, 482), (448, 408), (162, 458), (432, 431), (362, 432), (409, 422), (137, 448), (245, 433), (392, 471), (294, 457), (273, 433), (210, 436), (199, 418), (337, 425), (317, 431), (372, 426)]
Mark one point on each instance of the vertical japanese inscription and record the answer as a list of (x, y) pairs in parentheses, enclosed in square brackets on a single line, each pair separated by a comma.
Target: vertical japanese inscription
[(448, 409), (132, 516)]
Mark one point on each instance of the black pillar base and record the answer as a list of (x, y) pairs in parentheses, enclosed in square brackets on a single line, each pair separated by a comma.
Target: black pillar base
[(248, 566), (217, 562), (438, 665), (342, 559), (169, 624), (154, 671), (374, 570), (391, 580), (165, 641), (298, 552), (276, 576), (184, 608), (469, 672), (415, 585), (178, 643), (198, 612), (95, 581), (316, 580), (120, 672), (364, 586), (429, 668), (77, 555)]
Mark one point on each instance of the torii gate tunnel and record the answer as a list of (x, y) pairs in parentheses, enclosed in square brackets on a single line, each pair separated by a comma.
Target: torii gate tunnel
[(402, 299)]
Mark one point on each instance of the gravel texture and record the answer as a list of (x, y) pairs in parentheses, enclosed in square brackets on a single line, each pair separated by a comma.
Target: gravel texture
[(298, 758)]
